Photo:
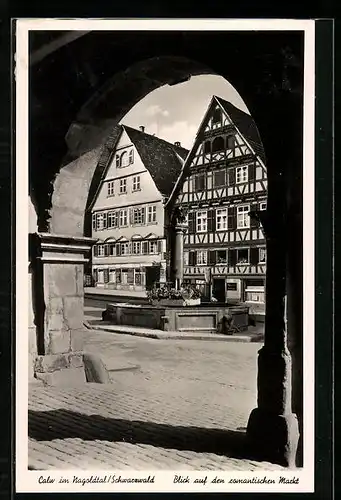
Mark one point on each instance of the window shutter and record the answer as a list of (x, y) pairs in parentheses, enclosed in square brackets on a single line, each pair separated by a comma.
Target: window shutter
[(143, 215), (191, 222), (231, 218), (105, 220), (131, 212), (94, 222), (145, 245), (95, 275), (106, 275), (192, 258), (232, 257), (254, 256), (131, 156), (253, 222), (95, 251), (159, 246), (212, 257), (252, 172), (232, 176), (118, 249), (106, 250), (211, 221)]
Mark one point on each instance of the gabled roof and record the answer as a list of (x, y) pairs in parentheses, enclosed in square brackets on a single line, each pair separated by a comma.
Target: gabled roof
[(162, 159), (245, 124), (241, 120)]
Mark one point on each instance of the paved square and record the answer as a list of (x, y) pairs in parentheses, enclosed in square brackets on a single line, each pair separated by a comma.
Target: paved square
[(172, 404)]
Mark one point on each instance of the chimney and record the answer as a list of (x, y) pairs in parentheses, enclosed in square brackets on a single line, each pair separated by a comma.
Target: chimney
[(142, 128), (177, 143)]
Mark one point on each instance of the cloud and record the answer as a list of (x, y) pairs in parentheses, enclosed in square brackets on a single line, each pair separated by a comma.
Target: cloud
[(181, 131), (156, 110)]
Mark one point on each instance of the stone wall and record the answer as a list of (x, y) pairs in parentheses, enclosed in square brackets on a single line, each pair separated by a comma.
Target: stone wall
[(63, 294)]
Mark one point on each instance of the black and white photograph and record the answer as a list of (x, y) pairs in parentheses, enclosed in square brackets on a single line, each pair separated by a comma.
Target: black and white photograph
[(165, 210)]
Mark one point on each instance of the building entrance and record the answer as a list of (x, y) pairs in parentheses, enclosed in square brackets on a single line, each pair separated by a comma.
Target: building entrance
[(218, 289)]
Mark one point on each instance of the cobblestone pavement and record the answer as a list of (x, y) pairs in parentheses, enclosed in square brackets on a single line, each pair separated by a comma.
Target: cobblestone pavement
[(172, 405)]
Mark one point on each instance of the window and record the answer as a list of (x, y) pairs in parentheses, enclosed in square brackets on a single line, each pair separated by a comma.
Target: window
[(111, 249), (200, 183), (101, 221), (202, 258), (125, 248), (136, 247), (207, 147), (112, 219), (243, 219), (110, 188), (131, 156), (218, 144), (221, 256), (136, 183), (186, 259), (100, 276), (262, 255), (216, 115), (153, 247), (219, 178), (230, 142), (123, 186), (124, 159), (117, 158), (138, 277), (118, 276), (202, 222), (152, 214), (111, 275), (262, 206), (243, 256), (221, 220), (123, 217), (101, 251), (138, 215), (241, 174)]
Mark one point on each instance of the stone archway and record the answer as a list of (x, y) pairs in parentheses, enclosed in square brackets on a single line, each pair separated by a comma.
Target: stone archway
[(62, 199)]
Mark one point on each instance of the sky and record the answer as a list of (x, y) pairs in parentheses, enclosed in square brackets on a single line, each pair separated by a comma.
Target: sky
[(174, 113)]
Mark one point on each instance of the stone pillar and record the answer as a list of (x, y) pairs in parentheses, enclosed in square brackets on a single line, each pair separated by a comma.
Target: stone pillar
[(272, 428), (180, 230), (58, 295)]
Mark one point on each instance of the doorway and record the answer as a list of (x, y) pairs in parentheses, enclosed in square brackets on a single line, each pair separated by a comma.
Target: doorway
[(218, 289)]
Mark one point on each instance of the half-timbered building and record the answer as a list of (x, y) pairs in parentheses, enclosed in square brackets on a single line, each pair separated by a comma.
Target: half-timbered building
[(129, 218), (224, 179)]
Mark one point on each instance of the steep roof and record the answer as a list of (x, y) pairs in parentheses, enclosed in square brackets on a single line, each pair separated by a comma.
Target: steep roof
[(245, 124), (162, 159)]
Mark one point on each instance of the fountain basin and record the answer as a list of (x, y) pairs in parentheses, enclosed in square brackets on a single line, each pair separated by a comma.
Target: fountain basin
[(203, 318)]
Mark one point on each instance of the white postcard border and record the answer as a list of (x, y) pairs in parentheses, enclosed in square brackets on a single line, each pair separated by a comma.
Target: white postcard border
[(28, 481)]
